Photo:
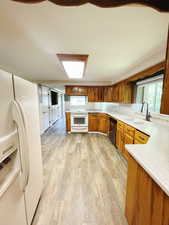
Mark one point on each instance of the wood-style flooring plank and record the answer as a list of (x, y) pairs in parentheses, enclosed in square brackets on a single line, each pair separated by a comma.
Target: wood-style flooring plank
[(84, 180)]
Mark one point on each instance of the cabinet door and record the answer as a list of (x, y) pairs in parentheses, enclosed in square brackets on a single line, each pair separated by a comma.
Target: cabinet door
[(127, 140), (91, 94), (93, 122), (100, 94), (140, 138), (120, 140), (68, 121), (115, 93), (108, 94), (103, 123), (131, 193), (76, 90), (95, 94)]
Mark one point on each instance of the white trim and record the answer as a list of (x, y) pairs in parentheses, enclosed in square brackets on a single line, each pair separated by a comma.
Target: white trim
[(150, 80)]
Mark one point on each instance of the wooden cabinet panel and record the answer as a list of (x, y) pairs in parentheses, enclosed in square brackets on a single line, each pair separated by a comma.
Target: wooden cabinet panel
[(68, 121), (120, 92), (103, 123), (108, 94), (120, 125), (93, 122), (129, 130), (95, 94), (140, 138), (165, 210), (120, 140), (146, 202), (144, 198), (99, 122), (127, 140), (131, 193), (76, 90), (115, 93), (157, 206)]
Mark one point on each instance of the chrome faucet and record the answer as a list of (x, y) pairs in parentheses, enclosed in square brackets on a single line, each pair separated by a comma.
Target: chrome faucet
[(148, 115)]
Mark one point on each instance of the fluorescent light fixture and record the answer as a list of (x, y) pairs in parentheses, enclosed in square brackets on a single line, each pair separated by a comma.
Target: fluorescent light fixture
[(73, 64), (74, 69)]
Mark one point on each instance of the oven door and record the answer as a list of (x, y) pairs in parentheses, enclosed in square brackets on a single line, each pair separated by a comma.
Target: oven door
[(79, 120)]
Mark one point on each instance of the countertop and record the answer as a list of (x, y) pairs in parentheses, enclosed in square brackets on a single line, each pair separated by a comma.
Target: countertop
[(153, 156)]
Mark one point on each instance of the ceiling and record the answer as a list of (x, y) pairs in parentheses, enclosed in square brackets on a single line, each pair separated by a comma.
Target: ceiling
[(119, 41)]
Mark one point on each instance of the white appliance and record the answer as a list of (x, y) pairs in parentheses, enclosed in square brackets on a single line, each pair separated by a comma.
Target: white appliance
[(20, 178), (79, 122)]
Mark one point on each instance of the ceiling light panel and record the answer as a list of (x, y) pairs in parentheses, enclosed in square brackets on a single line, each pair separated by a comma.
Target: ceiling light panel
[(74, 65)]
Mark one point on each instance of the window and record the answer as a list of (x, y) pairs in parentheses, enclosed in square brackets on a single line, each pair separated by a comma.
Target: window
[(150, 91), (78, 100)]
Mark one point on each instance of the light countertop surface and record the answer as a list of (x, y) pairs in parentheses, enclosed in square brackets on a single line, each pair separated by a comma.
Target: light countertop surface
[(153, 156)]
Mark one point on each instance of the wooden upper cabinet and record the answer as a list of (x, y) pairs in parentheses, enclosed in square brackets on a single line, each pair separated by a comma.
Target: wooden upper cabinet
[(120, 92), (95, 94), (93, 122), (123, 92), (76, 90), (115, 97), (108, 94), (92, 94)]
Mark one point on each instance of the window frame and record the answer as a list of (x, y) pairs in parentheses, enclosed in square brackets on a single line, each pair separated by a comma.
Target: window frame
[(148, 81)]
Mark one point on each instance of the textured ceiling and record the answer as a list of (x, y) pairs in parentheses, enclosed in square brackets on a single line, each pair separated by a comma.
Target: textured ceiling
[(119, 41)]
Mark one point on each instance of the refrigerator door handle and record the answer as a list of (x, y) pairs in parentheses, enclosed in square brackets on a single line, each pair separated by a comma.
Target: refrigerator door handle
[(19, 119)]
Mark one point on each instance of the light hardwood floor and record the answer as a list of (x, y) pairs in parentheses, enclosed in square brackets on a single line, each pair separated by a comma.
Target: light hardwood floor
[(84, 180)]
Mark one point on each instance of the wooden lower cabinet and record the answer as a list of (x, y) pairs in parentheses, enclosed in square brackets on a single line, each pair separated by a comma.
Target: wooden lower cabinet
[(146, 202), (127, 140), (120, 140), (93, 122), (68, 121), (99, 122), (140, 138), (103, 123), (126, 134)]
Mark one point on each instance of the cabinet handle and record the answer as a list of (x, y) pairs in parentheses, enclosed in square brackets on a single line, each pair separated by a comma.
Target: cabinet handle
[(141, 138)]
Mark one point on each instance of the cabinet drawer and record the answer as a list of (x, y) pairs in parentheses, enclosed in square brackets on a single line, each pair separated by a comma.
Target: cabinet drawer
[(129, 130), (120, 125), (140, 137)]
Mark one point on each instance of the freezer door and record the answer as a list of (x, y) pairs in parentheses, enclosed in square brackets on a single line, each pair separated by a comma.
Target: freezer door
[(26, 96)]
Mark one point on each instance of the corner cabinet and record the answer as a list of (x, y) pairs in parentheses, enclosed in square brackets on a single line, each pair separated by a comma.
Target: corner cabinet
[(146, 202), (99, 122), (103, 123)]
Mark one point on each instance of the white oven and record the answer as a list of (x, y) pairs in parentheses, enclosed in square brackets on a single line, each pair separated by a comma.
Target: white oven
[(79, 122)]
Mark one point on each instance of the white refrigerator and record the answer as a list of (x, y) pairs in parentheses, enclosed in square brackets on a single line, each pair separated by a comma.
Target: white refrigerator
[(21, 178)]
